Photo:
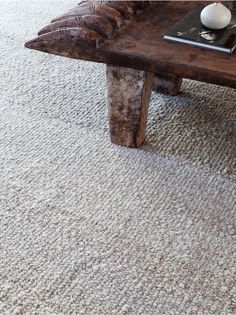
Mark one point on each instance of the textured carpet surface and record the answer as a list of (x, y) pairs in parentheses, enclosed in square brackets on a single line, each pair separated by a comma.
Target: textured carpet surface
[(92, 228)]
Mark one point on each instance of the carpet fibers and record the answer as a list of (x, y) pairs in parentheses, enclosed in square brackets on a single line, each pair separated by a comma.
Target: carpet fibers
[(88, 227)]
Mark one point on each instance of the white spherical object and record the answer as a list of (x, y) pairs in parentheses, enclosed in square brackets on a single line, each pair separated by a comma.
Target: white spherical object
[(216, 16)]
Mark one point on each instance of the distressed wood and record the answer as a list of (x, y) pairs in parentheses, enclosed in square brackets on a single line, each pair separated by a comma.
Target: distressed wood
[(124, 7), (77, 39), (129, 93), (90, 8), (136, 41), (128, 35), (230, 4), (87, 25), (167, 83), (93, 22)]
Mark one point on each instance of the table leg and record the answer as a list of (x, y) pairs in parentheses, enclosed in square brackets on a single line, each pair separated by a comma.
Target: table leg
[(167, 83), (129, 93)]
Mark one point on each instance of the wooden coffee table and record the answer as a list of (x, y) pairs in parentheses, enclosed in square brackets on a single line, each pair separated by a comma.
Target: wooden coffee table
[(128, 37)]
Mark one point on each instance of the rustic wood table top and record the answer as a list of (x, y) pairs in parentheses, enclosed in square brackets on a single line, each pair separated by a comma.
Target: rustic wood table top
[(128, 37), (140, 45)]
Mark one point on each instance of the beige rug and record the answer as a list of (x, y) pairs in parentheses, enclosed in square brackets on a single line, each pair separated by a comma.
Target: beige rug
[(92, 228)]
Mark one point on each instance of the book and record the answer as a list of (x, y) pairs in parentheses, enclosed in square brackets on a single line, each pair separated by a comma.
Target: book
[(190, 30)]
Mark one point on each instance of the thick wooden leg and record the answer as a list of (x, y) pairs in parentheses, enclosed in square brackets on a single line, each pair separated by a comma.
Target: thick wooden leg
[(129, 93), (167, 83)]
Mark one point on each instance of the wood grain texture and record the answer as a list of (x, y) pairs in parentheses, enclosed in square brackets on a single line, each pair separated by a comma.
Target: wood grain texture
[(93, 22), (129, 93), (141, 45), (138, 43), (167, 83), (91, 8), (230, 4), (80, 39), (126, 9)]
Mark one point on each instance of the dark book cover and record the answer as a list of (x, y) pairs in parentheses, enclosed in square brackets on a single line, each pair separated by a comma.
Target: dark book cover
[(190, 30)]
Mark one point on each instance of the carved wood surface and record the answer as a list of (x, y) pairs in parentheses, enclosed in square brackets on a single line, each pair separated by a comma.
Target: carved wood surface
[(96, 23), (130, 34), (77, 33)]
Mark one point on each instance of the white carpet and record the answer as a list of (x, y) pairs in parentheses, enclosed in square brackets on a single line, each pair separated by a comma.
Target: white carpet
[(88, 227)]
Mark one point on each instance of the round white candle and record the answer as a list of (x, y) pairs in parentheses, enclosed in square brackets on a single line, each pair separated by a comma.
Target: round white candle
[(216, 16)]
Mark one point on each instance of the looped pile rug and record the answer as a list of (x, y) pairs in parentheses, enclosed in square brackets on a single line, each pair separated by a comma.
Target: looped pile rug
[(88, 227)]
